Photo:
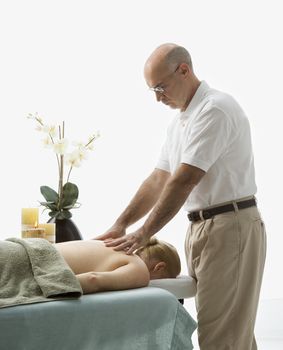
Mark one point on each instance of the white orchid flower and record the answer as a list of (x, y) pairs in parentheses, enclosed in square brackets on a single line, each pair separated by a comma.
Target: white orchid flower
[(73, 159), (60, 147), (81, 153), (30, 116), (91, 139), (47, 142), (35, 116), (78, 144), (49, 129), (39, 128), (94, 136), (52, 131)]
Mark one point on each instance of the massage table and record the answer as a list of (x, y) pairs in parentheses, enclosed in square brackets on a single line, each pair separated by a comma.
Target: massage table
[(149, 318), (182, 287)]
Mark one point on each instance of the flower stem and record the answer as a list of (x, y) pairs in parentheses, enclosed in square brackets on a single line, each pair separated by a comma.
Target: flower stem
[(69, 173), (61, 181), (61, 174), (56, 154), (90, 141), (51, 138)]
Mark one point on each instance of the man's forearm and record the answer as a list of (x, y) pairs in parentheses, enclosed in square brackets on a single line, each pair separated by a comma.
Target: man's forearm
[(140, 205), (169, 203), (143, 201), (172, 198)]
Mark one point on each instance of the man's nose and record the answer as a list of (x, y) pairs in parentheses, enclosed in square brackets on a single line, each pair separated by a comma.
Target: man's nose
[(158, 96)]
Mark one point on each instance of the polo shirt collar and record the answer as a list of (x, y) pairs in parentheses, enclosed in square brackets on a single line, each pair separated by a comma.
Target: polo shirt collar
[(198, 96)]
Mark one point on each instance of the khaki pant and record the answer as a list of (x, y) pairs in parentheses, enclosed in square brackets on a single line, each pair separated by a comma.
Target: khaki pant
[(226, 255)]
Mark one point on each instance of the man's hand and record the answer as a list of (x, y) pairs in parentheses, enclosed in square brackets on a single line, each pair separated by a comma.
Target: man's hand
[(129, 242), (116, 231)]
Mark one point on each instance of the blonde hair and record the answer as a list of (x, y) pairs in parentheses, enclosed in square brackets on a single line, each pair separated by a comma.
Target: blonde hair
[(162, 251)]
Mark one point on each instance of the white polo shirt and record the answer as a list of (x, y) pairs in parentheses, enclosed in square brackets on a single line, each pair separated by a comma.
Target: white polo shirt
[(213, 134)]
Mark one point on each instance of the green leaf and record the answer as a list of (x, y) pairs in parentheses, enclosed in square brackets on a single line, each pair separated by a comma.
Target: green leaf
[(70, 195), (65, 214), (50, 205), (72, 206), (68, 207), (46, 203), (49, 194), (59, 216), (54, 213)]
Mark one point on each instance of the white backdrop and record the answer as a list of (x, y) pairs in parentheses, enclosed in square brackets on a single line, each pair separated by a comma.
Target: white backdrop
[(82, 62)]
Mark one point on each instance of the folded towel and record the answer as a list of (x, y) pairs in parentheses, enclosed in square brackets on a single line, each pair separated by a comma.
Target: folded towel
[(32, 270)]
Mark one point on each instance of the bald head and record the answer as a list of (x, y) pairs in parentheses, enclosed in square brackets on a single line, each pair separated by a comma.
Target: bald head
[(167, 57), (169, 73)]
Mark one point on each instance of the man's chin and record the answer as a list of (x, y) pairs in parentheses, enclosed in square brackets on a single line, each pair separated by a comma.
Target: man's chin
[(170, 104)]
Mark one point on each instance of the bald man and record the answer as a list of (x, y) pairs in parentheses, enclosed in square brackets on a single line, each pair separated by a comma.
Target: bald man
[(206, 165)]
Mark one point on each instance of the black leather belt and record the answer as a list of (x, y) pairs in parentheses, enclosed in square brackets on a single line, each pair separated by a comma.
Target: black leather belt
[(209, 213)]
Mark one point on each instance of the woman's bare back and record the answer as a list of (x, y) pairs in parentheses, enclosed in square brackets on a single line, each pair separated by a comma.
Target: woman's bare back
[(92, 255)]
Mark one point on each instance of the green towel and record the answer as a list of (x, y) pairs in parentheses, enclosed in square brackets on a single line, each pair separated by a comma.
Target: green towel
[(32, 271)]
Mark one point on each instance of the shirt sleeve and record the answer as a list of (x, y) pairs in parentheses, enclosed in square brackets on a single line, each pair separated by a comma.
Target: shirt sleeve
[(208, 139), (163, 161)]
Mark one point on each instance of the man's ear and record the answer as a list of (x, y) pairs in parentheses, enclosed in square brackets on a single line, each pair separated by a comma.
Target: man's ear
[(184, 69), (161, 265)]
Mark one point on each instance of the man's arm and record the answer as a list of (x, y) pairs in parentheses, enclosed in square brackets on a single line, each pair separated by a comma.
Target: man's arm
[(145, 198), (143, 201), (173, 196), (132, 275)]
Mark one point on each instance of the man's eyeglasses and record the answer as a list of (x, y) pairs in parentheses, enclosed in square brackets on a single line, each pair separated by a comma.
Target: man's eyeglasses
[(161, 89), (157, 89)]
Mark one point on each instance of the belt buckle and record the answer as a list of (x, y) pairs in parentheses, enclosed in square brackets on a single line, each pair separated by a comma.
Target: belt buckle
[(193, 216), (206, 214)]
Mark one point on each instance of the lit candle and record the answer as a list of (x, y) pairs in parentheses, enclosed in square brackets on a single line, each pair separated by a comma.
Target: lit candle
[(29, 217), (32, 232), (50, 230)]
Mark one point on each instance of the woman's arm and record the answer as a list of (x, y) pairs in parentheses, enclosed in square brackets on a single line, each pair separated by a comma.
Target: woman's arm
[(132, 275)]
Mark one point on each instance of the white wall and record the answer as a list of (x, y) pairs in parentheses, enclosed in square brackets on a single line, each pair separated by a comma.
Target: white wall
[(82, 62)]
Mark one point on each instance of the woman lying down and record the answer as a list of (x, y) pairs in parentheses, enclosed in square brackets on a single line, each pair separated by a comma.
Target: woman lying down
[(33, 270), (100, 268)]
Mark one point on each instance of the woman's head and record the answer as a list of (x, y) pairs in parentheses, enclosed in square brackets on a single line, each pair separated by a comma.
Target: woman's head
[(161, 258)]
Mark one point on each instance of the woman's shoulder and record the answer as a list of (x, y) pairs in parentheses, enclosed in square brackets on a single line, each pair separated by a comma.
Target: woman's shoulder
[(141, 274), (140, 265)]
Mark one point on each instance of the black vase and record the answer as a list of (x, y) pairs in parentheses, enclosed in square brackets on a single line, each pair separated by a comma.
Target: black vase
[(66, 230)]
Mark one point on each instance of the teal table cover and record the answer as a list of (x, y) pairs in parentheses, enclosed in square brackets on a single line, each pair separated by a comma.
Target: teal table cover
[(138, 319)]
